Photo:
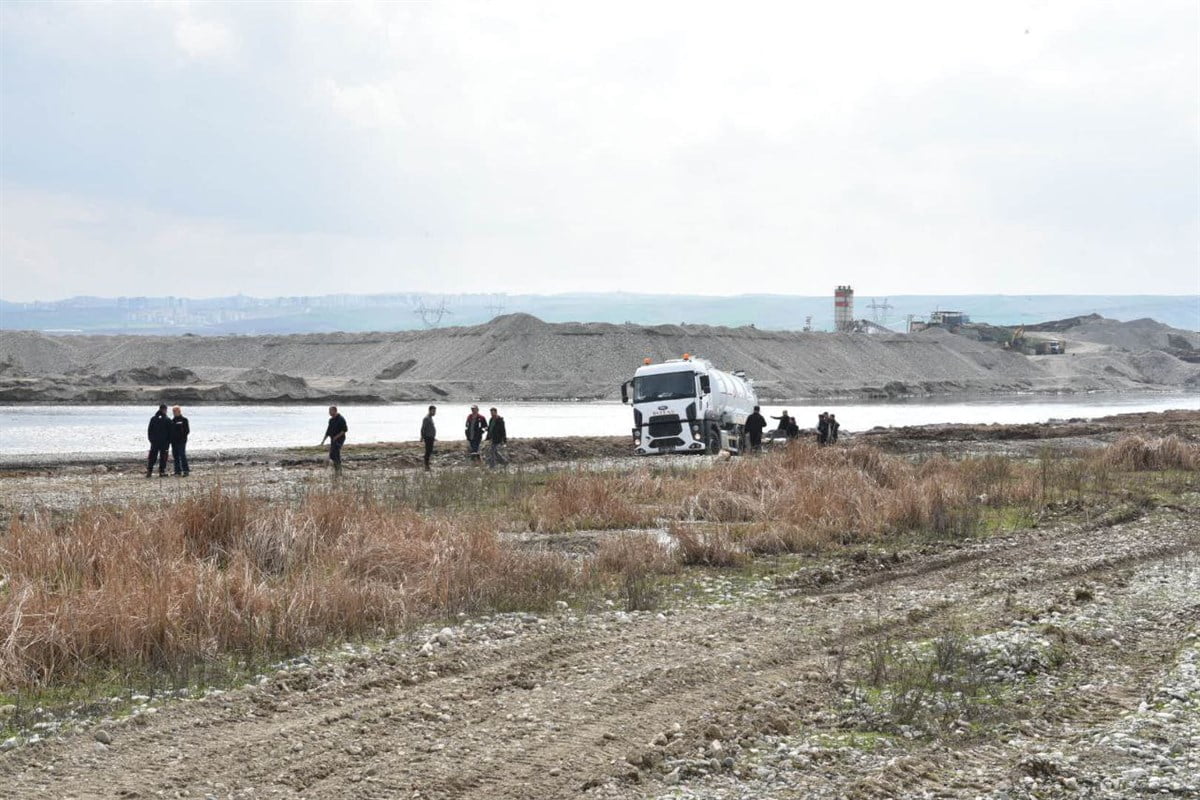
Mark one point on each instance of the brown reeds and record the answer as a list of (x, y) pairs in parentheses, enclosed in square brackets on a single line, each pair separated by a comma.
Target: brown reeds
[(1135, 453), (218, 573)]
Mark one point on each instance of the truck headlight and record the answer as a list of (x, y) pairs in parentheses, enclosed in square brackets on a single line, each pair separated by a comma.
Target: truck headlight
[(695, 428)]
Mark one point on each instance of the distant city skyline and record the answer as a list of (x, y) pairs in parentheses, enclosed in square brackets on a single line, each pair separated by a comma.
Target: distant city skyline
[(405, 311), (211, 149)]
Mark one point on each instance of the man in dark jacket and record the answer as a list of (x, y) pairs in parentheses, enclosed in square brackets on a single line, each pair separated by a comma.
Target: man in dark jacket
[(335, 432), (497, 436), (823, 428), (179, 436), (787, 426), (159, 434), (428, 434), (833, 429), (476, 428), (755, 424)]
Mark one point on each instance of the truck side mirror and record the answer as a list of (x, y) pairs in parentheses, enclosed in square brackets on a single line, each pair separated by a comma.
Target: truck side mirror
[(705, 386), (625, 392)]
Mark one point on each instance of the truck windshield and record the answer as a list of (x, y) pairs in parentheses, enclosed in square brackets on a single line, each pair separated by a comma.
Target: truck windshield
[(664, 386)]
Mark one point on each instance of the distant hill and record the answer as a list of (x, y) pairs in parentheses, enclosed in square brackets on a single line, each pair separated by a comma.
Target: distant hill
[(398, 312), (517, 356)]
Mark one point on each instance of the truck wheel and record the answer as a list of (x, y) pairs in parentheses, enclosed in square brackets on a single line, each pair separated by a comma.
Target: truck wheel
[(713, 441)]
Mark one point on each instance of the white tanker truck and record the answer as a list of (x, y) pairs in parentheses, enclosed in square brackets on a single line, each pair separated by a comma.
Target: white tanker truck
[(686, 405)]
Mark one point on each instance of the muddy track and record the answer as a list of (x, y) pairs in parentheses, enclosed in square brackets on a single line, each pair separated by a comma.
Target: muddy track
[(594, 704)]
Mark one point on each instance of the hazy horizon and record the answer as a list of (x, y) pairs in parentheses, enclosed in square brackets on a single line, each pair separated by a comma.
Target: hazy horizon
[(297, 149)]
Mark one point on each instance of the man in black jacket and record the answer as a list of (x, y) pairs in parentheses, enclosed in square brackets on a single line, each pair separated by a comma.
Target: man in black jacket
[(498, 436), (755, 424), (428, 434), (179, 436), (159, 434), (335, 432)]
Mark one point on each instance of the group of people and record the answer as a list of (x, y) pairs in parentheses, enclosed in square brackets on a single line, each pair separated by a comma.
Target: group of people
[(478, 430), (168, 434), (788, 428)]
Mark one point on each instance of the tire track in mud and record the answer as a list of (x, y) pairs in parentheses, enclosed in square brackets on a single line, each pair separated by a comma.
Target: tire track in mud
[(546, 713)]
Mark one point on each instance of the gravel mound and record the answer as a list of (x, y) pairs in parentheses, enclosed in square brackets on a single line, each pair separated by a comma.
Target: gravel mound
[(521, 357)]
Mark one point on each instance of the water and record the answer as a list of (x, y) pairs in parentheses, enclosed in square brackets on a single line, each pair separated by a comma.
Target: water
[(122, 429)]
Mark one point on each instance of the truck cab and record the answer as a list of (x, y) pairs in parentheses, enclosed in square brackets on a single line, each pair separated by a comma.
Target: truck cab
[(688, 406)]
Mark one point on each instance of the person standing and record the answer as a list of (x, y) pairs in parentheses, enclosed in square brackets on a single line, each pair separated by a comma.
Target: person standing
[(755, 424), (159, 434), (428, 434), (179, 436), (497, 436), (823, 428), (335, 432), (833, 429), (476, 428)]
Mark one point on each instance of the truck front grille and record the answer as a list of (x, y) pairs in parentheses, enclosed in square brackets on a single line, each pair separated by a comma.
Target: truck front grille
[(665, 425)]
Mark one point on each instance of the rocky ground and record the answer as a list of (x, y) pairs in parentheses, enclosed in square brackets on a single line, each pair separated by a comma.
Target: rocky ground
[(1055, 661), (1084, 641)]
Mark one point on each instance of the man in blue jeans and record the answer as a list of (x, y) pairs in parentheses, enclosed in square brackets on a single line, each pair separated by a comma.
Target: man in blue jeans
[(179, 436)]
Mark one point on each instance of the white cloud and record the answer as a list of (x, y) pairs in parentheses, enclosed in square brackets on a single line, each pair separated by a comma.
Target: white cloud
[(203, 39)]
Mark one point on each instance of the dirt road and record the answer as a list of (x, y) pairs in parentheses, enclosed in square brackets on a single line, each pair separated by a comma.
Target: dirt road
[(740, 687)]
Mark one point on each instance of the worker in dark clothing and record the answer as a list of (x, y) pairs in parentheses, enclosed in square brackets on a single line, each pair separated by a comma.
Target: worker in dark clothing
[(755, 424), (497, 436), (833, 429), (335, 432), (159, 434), (428, 434), (787, 426), (179, 436), (823, 428), (476, 427)]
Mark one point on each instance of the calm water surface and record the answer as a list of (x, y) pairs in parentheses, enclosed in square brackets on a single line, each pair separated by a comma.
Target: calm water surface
[(98, 429)]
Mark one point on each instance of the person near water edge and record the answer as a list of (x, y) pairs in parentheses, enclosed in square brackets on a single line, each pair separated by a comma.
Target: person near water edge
[(497, 436), (755, 424), (179, 436), (833, 429), (823, 428), (476, 428), (428, 434), (335, 432), (159, 434)]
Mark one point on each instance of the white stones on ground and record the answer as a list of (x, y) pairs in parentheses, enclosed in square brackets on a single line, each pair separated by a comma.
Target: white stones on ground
[(102, 736)]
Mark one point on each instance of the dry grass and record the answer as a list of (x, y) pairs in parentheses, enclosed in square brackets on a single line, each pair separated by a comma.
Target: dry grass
[(159, 588), (707, 546), (1133, 453), (219, 574), (577, 501)]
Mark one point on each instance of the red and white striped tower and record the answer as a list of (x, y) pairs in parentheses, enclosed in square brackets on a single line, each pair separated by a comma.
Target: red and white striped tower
[(843, 308)]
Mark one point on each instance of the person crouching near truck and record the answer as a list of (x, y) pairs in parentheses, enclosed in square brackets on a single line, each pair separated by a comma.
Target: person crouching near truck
[(335, 432), (179, 436), (755, 425), (497, 439), (159, 434)]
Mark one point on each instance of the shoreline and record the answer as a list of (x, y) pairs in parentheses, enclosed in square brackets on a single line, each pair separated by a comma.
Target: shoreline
[(537, 449)]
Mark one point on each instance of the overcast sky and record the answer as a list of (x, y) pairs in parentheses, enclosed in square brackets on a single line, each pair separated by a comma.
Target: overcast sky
[(284, 148)]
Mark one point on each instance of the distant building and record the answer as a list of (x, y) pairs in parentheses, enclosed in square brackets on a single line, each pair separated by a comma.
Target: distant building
[(948, 319)]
